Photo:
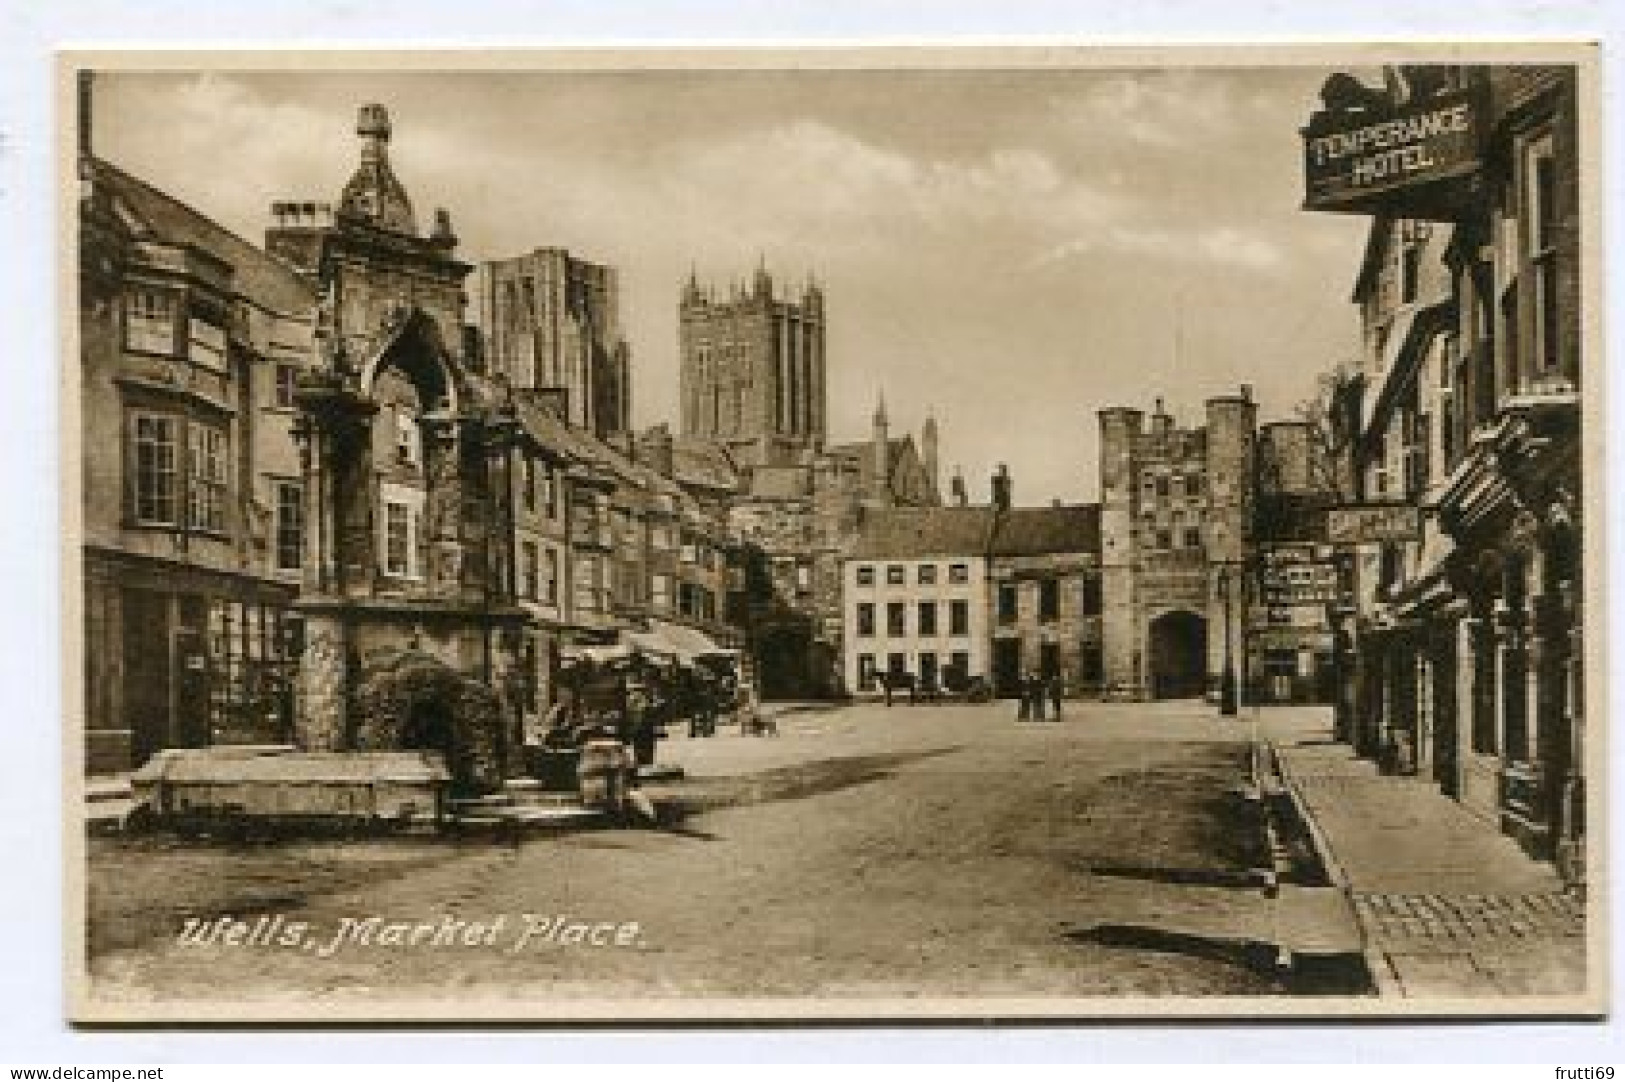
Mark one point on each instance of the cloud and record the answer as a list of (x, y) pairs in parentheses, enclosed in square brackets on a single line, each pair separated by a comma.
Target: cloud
[(807, 175), (1224, 246), (1164, 110)]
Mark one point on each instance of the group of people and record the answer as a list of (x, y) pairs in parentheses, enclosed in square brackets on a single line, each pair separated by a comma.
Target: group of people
[(607, 718), (636, 700), (1034, 691)]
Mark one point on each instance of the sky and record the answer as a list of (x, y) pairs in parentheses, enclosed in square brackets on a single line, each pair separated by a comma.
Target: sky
[(1009, 250)]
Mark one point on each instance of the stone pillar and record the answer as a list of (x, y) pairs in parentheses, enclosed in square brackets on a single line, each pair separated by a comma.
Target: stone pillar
[(1382, 702), (321, 717), (1467, 632), (1536, 679), (1570, 696), (1500, 630), (1422, 755)]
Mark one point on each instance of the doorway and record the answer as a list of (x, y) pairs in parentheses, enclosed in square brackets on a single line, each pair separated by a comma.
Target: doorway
[(1007, 668), (1178, 655), (429, 727)]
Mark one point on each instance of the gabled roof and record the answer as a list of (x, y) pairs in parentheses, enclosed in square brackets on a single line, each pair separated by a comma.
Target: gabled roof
[(703, 464), (780, 482), (906, 532), (862, 452), (1376, 247), (1040, 531), (536, 415), (258, 275)]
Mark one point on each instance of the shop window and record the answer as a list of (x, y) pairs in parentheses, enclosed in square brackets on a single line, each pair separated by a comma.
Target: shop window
[(290, 526), (155, 458), (249, 673)]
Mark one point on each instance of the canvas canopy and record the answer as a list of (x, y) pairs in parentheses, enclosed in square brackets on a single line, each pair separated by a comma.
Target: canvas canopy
[(598, 655), (675, 641)]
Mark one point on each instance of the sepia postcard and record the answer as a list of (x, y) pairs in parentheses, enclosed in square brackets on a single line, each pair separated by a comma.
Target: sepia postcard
[(802, 534)]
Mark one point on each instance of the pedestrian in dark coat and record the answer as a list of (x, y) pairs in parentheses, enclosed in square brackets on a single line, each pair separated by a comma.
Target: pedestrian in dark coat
[(1024, 693), (1056, 691)]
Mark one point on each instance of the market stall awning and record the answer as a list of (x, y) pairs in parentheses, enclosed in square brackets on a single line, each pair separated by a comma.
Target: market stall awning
[(667, 640), (598, 655)]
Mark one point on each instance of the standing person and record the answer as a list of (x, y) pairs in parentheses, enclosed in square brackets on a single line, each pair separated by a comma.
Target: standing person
[(1057, 692), (1024, 693), (640, 724), (604, 770), (885, 686), (1035, 689)]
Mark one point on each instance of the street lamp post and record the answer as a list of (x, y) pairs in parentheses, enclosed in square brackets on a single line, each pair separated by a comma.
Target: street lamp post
[(1227, 679)]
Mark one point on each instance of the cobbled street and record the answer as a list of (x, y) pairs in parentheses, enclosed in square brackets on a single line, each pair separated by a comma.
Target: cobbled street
[(927, 851)]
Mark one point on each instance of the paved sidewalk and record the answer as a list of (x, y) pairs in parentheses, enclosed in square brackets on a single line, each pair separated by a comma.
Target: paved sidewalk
[(1448, 906)]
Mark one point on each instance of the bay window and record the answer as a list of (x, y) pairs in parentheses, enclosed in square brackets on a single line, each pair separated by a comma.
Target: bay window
[(150, 320)]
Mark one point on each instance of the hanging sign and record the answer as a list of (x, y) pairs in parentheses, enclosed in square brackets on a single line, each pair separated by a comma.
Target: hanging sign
[(1398, 160), (1356, 524)]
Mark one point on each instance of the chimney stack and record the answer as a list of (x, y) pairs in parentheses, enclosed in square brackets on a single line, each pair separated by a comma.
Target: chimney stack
[(1001, 488), (960, 496), (84, 88)]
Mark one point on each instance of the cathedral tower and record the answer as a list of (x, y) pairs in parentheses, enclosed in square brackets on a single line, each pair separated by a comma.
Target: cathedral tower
[(752, 368)]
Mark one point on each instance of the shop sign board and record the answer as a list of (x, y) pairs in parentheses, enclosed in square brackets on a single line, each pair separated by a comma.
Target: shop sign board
[(1368, 160), (1358, 524)]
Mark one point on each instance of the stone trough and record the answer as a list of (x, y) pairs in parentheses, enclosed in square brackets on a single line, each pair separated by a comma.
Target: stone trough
[(273, 784)]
